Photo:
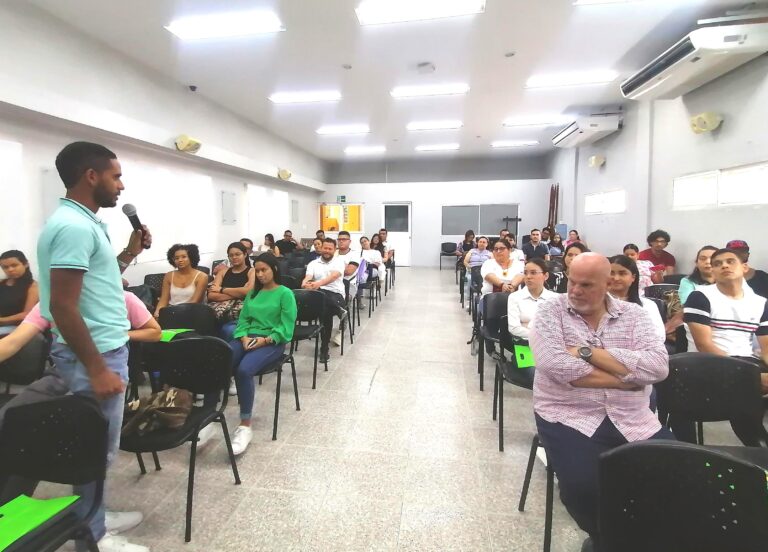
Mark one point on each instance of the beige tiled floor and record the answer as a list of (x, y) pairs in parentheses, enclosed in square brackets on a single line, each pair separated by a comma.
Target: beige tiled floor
[(394, 450)]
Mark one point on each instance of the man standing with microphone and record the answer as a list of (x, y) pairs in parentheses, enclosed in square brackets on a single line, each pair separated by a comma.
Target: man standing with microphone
[(81, 293)]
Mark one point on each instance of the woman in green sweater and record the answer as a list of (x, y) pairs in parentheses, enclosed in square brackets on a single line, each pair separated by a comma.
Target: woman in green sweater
[(264, 328)]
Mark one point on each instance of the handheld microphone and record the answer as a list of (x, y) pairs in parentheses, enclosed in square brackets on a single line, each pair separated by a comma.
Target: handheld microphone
[(130, 211)]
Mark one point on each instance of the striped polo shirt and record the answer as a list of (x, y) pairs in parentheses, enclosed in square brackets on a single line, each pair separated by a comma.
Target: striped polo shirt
[(733, 321)]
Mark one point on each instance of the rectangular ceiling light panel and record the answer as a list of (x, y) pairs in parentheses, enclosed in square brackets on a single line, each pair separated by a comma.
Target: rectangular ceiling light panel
[(311, 96), (379, 12), (226, 25)]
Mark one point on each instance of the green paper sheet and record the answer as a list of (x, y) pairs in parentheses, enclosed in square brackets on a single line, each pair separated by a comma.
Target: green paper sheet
[(167, 335), (524, 356), (24, 514)]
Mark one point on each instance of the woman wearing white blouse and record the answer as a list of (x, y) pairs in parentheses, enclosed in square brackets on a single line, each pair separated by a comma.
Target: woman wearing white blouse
[(522, 304)]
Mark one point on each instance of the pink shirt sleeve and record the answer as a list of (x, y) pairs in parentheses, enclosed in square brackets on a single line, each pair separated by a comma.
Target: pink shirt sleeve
[(138, 315), (36, 319)]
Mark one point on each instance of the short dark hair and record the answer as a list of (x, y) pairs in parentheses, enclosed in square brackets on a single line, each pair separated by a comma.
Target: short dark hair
[(249, 240), (504, 242), (192, 251), (330, 240), (284, 233), (535, 230), (504, 230), (76, 158), (382, 229), (344, 233), (656, 234), (27, 279), (723, 251), (320, 232), (631, 246), (540, 263)]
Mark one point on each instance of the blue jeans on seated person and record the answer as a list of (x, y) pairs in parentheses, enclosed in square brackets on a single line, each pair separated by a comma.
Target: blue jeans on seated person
[(246, 365), (75, 376)]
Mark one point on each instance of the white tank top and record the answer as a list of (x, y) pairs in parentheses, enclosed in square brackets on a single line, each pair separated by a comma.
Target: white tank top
[(181, 295)]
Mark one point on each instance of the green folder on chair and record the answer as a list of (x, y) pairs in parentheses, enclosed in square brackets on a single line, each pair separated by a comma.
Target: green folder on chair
[(524, 356), (24, 514), (168, 335)]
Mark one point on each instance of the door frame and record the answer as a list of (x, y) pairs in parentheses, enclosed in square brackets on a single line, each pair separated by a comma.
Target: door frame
[(410, 224)]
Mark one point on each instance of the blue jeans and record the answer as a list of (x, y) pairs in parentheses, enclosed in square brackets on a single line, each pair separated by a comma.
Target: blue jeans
[(246, 365), (73, 373)]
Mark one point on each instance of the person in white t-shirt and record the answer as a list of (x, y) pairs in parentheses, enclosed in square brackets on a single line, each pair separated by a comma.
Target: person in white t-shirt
[(351, 260), (325, 274), (501, 273), (723, 318), (372, 256), (523, 304), (624, 284)]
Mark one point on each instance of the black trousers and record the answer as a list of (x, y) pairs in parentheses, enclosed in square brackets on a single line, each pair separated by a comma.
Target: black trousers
[(334, 306)]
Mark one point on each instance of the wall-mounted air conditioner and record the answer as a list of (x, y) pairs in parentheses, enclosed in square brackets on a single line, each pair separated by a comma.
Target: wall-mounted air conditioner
[(586, 130), (700, 57)]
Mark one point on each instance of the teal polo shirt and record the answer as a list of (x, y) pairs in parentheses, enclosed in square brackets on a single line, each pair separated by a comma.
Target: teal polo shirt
[(74, 238)]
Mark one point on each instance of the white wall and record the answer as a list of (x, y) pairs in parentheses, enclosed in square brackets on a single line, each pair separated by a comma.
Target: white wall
[(655, 146), (428, 199)]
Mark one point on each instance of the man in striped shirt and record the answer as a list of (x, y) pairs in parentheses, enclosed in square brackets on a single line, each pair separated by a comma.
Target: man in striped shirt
[(596, 360), (724, 318)]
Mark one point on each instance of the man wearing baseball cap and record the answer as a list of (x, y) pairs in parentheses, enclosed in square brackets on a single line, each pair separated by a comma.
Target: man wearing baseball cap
[(756, 279)]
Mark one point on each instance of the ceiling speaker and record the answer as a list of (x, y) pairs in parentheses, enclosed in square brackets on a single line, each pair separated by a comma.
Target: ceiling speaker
[(284, 174), (187, 144), (705, 122)]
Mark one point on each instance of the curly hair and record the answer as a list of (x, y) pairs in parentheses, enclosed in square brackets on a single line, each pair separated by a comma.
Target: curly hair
[(192, 251)]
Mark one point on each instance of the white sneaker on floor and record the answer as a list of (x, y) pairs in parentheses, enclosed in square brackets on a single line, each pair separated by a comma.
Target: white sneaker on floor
[(110, 543), (120, 522), (240, 439), (336, 339), (205, 435), (232, 388)]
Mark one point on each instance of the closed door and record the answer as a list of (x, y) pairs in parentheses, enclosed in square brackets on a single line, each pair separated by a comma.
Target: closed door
[(397, 221)]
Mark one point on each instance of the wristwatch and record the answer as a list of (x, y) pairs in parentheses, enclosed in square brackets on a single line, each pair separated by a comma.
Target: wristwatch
[(585, 353)]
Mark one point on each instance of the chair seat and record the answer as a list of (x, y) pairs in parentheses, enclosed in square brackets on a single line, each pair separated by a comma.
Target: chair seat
[(521, 377), (275, 366), (305, 332), (755, 455), (50, 535), (490, 335), (165, 439)]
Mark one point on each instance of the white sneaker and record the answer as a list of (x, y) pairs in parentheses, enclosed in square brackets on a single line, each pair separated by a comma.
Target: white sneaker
[(120, 522), (110, 543), (336, 339), (232, 388), (205, 435), (240, 439)]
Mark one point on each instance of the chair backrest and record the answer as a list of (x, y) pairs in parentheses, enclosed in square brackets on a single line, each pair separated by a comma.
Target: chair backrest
[(200, 364), (709, 388), (495, 310), (309, 305), (475, 277), (147, 295), (555, 265), (61, 440), (447, 248), (195, 316), (661, 305), (657, 291), (299, 261), (155, 281), (298, 272), (289, 281), (673, 278), (28, 364), (204, 269), (668, 496)]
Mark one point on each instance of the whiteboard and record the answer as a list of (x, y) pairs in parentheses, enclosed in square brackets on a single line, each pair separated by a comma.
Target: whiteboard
[(457, 219)]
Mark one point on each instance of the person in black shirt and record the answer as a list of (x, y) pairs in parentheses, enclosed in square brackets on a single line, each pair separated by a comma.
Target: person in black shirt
[(756, 279), (534, 249), (288, 245)]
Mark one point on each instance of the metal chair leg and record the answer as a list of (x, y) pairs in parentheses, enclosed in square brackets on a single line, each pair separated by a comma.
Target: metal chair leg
[(500, 384), (548, 511), (190, 490), (314, 370), (528, 473), (495, 392), (277, 403), (141, 464), (481, 360), (157, 461), (230, 452), (295, 385)]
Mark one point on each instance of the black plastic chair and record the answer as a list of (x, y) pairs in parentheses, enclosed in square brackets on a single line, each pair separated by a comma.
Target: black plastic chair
[(661, 305), (61, 440), (25, 366), (494, 315), (155, 281), (195, 316), (277, 367), (667, 496), (550, 492), (201, 365), (657, 291), (373, 285), (447, 249), (297, 261), (703, 387), (673, 279), (475, 285), (298, 273), (310, 305), (289, 281), (509, 371)]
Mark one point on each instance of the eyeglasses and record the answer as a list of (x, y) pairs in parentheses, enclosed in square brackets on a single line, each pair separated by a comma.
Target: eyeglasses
[(343, 239), (499, 248), (532, 272)]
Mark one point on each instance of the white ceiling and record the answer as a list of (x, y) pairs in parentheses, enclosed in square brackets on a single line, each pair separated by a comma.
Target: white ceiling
[(321, 35)]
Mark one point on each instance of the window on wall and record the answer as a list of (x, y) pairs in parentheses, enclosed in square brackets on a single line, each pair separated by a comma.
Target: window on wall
[(603, 203), (341, 216), (745, 185)]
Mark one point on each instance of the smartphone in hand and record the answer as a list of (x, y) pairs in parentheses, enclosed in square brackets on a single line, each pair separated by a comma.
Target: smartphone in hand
[(251, 343)]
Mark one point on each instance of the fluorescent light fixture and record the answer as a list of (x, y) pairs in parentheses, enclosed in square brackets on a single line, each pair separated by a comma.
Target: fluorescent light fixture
[(364, 150), (226, 25), (434, 125), (305, 97), (537, 120), (581, 78), (592, 2), (429, 90), (514, 143), (333, 130), (379, 12), (438, 147)]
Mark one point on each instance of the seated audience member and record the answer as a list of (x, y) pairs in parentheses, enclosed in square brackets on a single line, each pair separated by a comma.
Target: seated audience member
[(388, 250), (186, 284), (534, 249), (269, 246), (372, 256), (757, 279), (515, 254), (522, 304), (18, 291), (478, 254), (320, 235), (722, 318), (546, 235), (504, 234), (288, 245), (701, 276), (378, 244), (264, 328), (317, 245), (501, 273), (463, 247), (228, 289), (558, 281), (325, 274), (658, 240), (596, 361), (624, 285), (351, 260), (648, 276), (556, 245), (248, 243), (573, 237)]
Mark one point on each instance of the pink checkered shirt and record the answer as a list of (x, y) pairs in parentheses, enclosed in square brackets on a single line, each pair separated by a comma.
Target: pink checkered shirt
[(628, 334)]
